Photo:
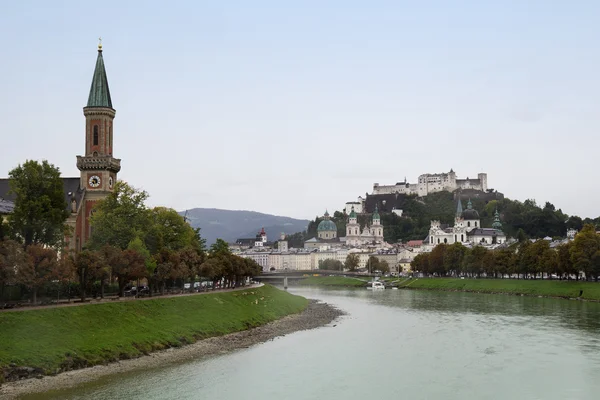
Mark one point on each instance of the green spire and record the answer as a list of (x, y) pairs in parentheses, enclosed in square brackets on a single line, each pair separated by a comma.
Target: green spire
[(459, 209), (326, 214), (352, 213), (376, 213), (99, 93), (469, 205), (497, 224)]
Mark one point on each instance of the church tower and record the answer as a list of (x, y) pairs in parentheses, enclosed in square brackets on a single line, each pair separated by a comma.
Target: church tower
[(98, 168), (376, 228)]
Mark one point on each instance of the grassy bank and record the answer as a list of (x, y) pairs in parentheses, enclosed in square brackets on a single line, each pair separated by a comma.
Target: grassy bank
[(332, 281), (548, 288), (71, 337)]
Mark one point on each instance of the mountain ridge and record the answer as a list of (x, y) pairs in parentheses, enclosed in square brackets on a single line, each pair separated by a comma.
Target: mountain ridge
[(230, 225)]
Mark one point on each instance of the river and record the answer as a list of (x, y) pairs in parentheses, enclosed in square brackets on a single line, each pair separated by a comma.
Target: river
[(396, 344)]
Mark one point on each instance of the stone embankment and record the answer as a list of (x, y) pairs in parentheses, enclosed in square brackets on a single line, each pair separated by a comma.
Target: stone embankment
[(316, 315)]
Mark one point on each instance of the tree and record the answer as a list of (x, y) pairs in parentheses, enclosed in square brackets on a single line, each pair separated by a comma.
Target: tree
[(115, 259), (139, 247), (331, 265), (120, 218), (37, 269), (212, 268), (564, 264), (436, 259), (453, 258), (420, 263), (219, 248), (88, 264), (584, 249), (383, 266), (169, 230), (40, 208), (191, 261), (12, 258), (352, 262)]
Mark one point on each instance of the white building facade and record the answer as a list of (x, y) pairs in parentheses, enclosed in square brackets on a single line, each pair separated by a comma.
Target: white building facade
[(431, 183)]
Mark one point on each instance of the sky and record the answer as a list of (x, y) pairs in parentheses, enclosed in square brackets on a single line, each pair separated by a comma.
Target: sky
[(291, 108)]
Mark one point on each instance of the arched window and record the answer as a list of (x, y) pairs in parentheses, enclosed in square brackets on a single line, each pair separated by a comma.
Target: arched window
[(356, 231), (469, 223), (476, 224), (462, 238), (95, 141), (380, 232), (109, 137), (445, 240), (438, 240)]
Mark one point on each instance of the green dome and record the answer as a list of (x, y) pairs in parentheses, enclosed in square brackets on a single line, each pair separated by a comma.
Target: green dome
[(326, 225)]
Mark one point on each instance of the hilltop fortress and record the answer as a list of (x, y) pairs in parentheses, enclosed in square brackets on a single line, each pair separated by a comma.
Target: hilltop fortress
[(431, 183), (391, 198)]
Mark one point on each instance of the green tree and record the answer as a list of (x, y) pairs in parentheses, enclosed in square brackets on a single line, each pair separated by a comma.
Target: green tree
[(120, 218), (352, 262), (219, 248), (585, 252), (436, 259), (168, 230), (453, 258), (564, 263), (139, 247), (331, 265), (420, 263), (40, 208)]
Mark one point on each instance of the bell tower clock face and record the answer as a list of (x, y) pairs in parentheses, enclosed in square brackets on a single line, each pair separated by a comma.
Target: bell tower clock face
[(94, 181)]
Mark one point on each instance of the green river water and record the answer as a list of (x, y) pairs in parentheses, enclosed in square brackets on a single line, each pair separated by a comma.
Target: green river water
[(397, 344)]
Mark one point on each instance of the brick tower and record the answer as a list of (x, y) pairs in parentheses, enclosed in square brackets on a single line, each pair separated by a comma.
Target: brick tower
[(98, 166)]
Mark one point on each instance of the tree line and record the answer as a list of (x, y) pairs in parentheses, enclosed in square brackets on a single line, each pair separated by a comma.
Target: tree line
[(352, 264), (129, 242), (526, 259), (525, 218)]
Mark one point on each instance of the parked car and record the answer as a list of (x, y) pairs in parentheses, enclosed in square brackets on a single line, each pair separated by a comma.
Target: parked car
[(130, 291)]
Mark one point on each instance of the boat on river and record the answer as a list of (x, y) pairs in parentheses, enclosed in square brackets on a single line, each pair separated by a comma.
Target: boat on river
[(376, 285)]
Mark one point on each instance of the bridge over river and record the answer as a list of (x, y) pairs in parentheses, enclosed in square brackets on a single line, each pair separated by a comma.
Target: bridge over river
[(285, 276)]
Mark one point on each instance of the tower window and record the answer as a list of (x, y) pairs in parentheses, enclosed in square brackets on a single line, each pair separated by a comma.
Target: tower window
[(95, 141)]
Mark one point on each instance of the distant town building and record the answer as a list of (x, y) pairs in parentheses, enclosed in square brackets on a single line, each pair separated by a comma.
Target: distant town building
[(571, 233), (369, 234), (467, 229)]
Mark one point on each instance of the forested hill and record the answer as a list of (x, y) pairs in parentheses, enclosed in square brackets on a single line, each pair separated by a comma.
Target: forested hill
[(230, 225), (535, 221)]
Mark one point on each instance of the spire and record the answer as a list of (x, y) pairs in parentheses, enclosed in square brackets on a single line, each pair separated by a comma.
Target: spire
[(352, 213), (459, 209), (99, 93), (497, 224), (469, 205), (376, 213), (326, 215)]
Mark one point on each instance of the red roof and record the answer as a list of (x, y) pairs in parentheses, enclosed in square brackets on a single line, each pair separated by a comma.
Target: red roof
[(414, 243)]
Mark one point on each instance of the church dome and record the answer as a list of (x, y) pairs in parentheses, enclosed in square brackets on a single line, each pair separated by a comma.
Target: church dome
[(326, 225), (470, 213)]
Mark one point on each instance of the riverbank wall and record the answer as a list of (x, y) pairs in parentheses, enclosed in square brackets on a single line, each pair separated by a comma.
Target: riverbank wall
[(49, 341)]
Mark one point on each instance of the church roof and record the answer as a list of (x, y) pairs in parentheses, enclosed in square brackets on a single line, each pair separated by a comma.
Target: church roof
[(99, 92), (485, 232), (327, 225), (470, 213), (70, 185)]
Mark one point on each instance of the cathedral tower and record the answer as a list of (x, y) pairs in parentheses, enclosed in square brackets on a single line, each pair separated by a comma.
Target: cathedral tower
[(98, 166)]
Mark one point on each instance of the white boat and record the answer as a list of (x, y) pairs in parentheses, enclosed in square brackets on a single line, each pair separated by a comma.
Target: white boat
[(376, 285)]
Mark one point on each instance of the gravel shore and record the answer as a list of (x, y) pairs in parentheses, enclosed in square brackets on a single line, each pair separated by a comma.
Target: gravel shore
[(316, 315)]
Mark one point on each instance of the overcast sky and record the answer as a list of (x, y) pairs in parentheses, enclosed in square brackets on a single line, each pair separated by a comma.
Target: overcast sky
[(294, 107)]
